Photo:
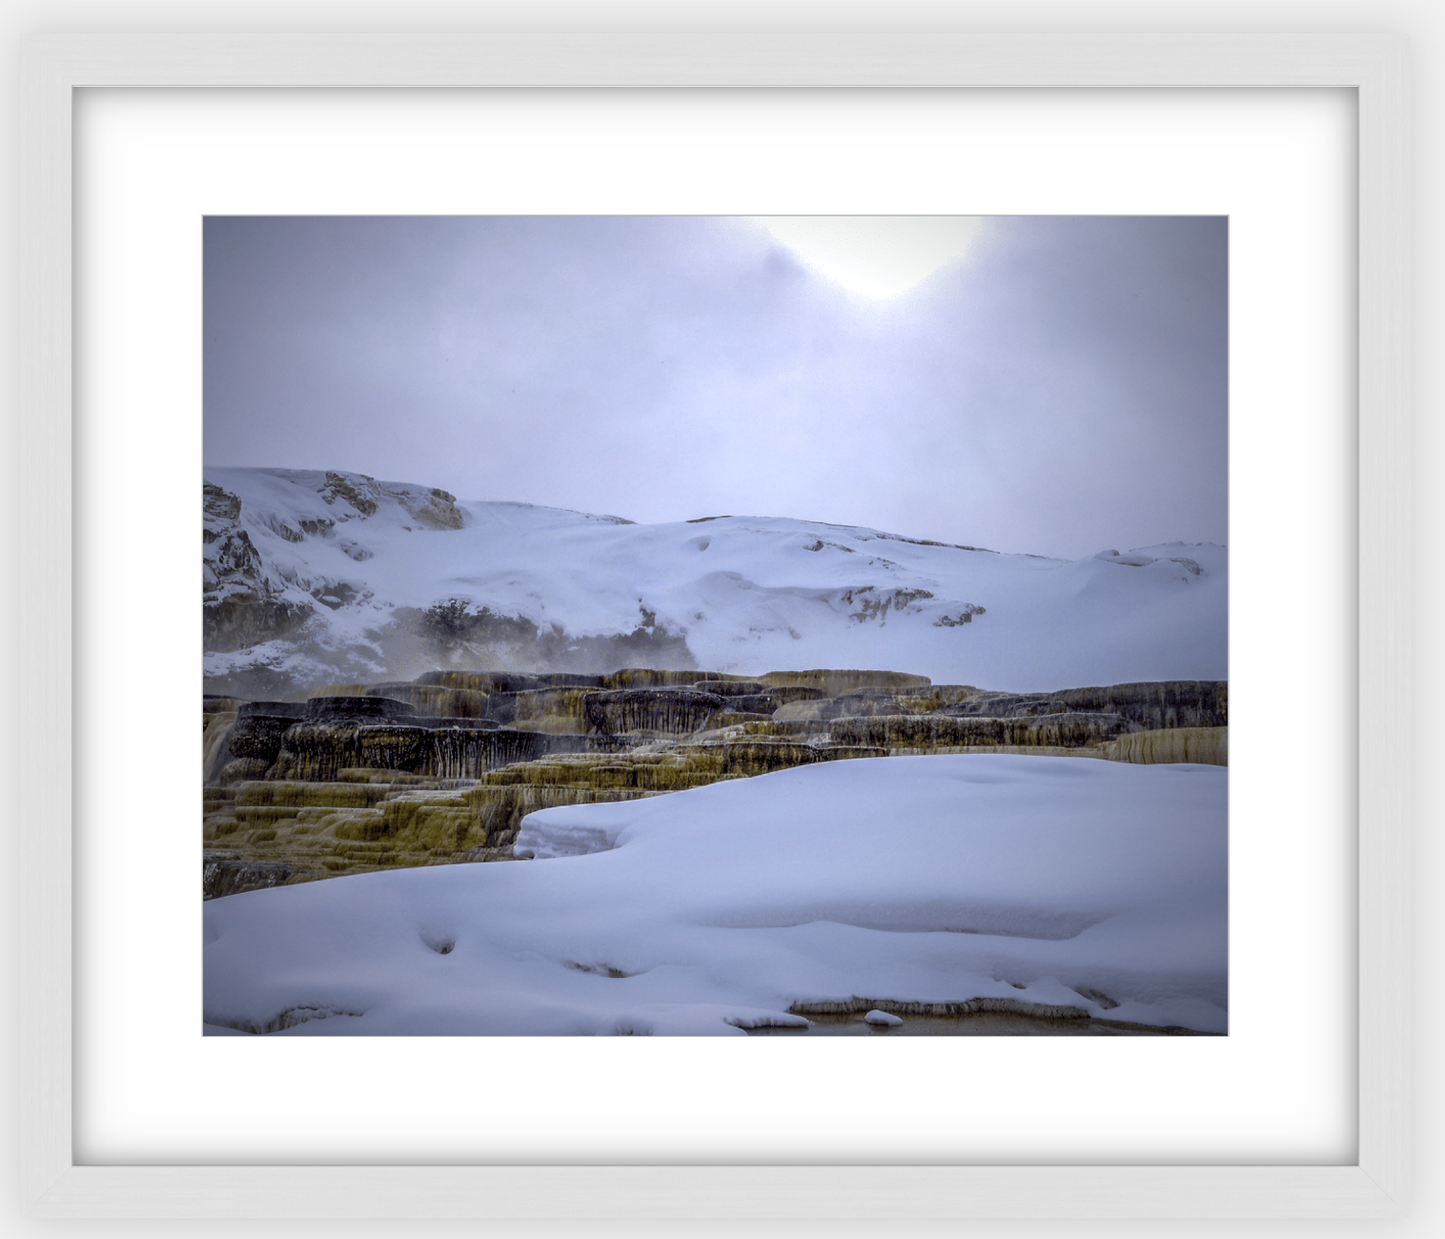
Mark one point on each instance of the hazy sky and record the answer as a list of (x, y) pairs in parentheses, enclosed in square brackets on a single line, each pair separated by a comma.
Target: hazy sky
[(1057, 386)]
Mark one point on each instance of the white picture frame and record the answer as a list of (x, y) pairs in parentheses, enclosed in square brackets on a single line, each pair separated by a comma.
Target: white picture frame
[(1372, 66)]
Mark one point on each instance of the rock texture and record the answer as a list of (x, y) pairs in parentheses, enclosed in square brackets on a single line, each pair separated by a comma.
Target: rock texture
[(1174, 703), (930, 733), (246, 600), (652, 711), (442, 769)]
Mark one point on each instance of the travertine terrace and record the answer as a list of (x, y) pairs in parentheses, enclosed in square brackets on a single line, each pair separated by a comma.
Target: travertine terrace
[(441, 770)]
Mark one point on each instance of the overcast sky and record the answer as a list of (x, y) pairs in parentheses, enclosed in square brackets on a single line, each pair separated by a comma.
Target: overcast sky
[(1058, 387)]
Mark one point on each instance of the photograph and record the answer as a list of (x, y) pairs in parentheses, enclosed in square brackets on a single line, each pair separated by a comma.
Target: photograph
[(781, 626), (734, 527)]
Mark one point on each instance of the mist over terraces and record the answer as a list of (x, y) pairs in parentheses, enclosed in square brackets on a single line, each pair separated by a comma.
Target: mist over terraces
[(443, 769)]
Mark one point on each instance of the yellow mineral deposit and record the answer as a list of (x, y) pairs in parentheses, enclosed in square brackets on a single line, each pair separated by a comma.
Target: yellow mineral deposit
[(434, 700), (834, 683), (1205, 746), (558, 711)]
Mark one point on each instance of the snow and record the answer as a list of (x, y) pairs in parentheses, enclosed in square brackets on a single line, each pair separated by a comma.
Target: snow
[(750, 594), (903, 879), (882, 1019)]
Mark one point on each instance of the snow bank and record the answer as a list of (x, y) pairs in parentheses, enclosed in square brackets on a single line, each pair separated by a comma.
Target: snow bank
[(931, 879)]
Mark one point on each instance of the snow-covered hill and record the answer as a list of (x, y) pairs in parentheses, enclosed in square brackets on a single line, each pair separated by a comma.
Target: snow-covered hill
[(314, 577)]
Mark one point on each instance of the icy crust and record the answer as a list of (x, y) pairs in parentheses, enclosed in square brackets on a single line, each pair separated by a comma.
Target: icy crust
[(347, 556), (1088, 885)]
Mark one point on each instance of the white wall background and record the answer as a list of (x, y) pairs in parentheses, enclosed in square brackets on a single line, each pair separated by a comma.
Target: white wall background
[(1419, 19)]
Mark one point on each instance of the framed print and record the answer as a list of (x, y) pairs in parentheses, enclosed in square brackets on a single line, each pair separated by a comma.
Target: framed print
[(534, 126)]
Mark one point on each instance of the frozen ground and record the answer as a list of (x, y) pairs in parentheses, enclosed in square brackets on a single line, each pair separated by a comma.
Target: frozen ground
[(923, 879)]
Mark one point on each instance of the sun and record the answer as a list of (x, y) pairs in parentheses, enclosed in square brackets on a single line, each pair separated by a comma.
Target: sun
[(877, 256)]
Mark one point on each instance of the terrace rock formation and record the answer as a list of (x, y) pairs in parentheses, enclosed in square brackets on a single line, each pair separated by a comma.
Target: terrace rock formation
[(442, 769)]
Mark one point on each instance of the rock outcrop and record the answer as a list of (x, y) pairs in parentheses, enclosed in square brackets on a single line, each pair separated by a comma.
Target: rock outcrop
[(930, 733), (832, 683), (651, 711), (1173, 703), (245, 599), (1207, 746), (435, 700)]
